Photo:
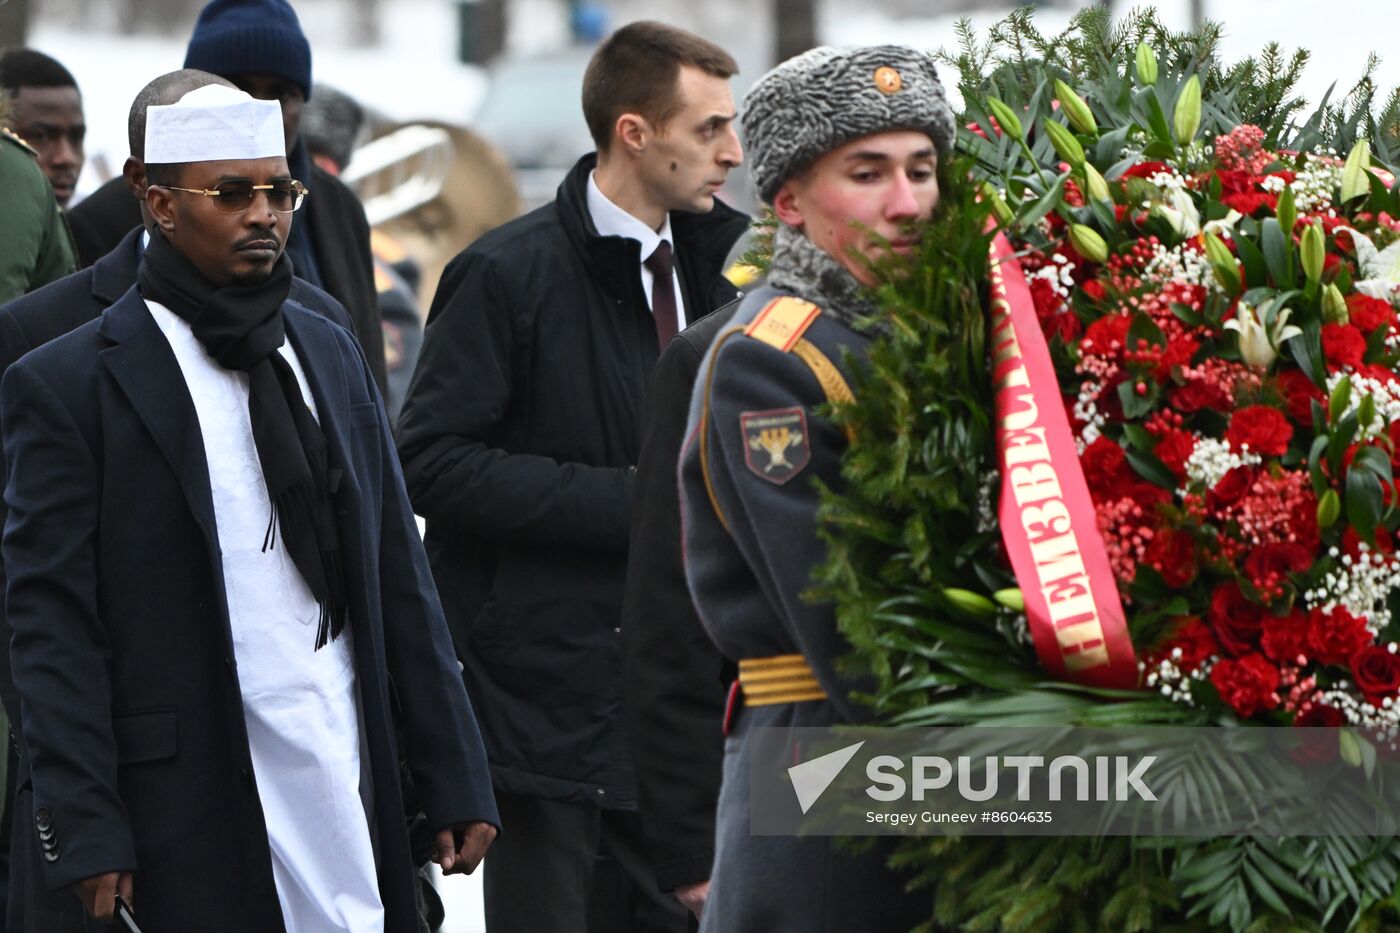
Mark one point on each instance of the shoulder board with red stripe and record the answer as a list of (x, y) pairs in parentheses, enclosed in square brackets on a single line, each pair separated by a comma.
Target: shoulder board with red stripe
[(783, 322)]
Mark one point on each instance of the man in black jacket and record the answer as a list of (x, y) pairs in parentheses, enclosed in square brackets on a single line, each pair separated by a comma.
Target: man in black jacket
[(519, 437), (259, 46)]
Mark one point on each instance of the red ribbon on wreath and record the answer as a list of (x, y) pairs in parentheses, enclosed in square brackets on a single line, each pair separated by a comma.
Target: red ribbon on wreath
[(1047, 517)]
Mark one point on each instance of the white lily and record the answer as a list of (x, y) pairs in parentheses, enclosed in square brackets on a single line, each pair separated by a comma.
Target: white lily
[(1260, 341), (1379, 269), (1179, 211), (1225, 226)]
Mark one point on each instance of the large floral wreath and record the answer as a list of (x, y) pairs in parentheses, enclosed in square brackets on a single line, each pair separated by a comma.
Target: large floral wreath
[(1216, 276)]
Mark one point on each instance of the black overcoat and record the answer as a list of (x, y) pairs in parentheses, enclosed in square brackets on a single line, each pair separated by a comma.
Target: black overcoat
[(518, 438), (122, 651), (25, 323)]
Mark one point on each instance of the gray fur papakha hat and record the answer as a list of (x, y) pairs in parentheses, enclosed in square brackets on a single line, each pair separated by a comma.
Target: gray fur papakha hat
[(816, 101)]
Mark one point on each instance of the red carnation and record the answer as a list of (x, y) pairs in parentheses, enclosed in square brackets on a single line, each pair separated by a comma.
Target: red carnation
[(1108, 335), (1342, 345), (1269, 565), (1376, 671), (1172, 554), (1174, 449), (1146, 170), (1065, 326), (1105, 469), (1298, 394), (1195, 642), (1335, 635), (1093, 290), (1235, 620), (1248, 685), (1283, 639), (1369, 313), (1198, 394), (1351, 542), (1046, 298), (1265, 430), (1231, 487)]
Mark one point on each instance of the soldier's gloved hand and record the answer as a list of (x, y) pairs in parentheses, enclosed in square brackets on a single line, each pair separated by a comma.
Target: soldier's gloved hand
[(461, 847), (99, 893)]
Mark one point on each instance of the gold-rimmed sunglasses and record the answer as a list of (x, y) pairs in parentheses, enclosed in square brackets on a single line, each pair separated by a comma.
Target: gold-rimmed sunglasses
[(235, 197)]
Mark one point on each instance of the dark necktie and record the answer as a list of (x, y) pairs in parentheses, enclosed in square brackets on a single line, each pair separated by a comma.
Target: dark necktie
[(663, 293)]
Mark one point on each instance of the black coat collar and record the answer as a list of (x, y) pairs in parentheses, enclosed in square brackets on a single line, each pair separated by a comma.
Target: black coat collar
[(703, 241)]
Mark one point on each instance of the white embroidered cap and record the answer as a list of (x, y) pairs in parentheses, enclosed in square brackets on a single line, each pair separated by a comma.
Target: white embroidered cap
[(214, 123)]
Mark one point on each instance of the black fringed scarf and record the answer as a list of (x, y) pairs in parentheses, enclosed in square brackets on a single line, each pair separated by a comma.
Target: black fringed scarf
[(241, 327)]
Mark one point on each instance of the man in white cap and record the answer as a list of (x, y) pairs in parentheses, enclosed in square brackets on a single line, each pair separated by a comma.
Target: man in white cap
[(225, 632)]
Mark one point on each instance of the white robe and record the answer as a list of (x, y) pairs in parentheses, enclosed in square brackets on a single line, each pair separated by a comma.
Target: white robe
[(299, 703)]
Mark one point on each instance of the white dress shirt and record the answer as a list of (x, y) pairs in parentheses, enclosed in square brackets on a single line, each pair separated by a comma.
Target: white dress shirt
[(612, 220)]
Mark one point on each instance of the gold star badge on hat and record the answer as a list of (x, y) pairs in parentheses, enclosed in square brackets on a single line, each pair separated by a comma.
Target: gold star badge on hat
[(888, 80)]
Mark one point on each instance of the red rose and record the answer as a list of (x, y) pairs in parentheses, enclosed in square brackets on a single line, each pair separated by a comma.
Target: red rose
[(1376, 671), (1093, 290), (1105, 469), (1314, 747), (1235, 620), (1342, 345), (1174, 449), (1172, 553), (1319, 716), (1268, 565), (1148, 496), (1265, 430), (1285, 638), (1248, 685), (1336, 635), (1298, 394), (1369, 313), (1231, 487)]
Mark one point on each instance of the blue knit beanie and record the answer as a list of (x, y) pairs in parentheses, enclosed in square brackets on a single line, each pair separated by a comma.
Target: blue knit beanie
[(234, 37)]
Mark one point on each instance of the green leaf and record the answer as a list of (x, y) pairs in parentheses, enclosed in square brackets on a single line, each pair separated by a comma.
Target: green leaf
[(1151, 469), (1278, 252), (1139, 437), (1046, 204), (1364, 501), (1256, 273), (1354, 173)]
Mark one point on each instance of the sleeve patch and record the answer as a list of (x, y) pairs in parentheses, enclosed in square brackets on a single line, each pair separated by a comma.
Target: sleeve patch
[(776, 443)]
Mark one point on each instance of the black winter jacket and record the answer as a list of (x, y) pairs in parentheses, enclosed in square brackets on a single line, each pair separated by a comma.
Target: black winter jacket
[(518, 438)]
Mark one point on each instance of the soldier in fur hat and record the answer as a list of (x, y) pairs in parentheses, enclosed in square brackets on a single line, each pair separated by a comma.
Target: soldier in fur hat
[(845, 146)]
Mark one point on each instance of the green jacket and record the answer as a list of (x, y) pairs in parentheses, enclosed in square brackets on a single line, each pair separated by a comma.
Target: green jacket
[(35, 245)]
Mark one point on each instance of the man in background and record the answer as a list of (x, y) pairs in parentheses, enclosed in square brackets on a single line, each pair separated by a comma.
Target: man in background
[(519, 441), (46, 111), (332, 125)]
